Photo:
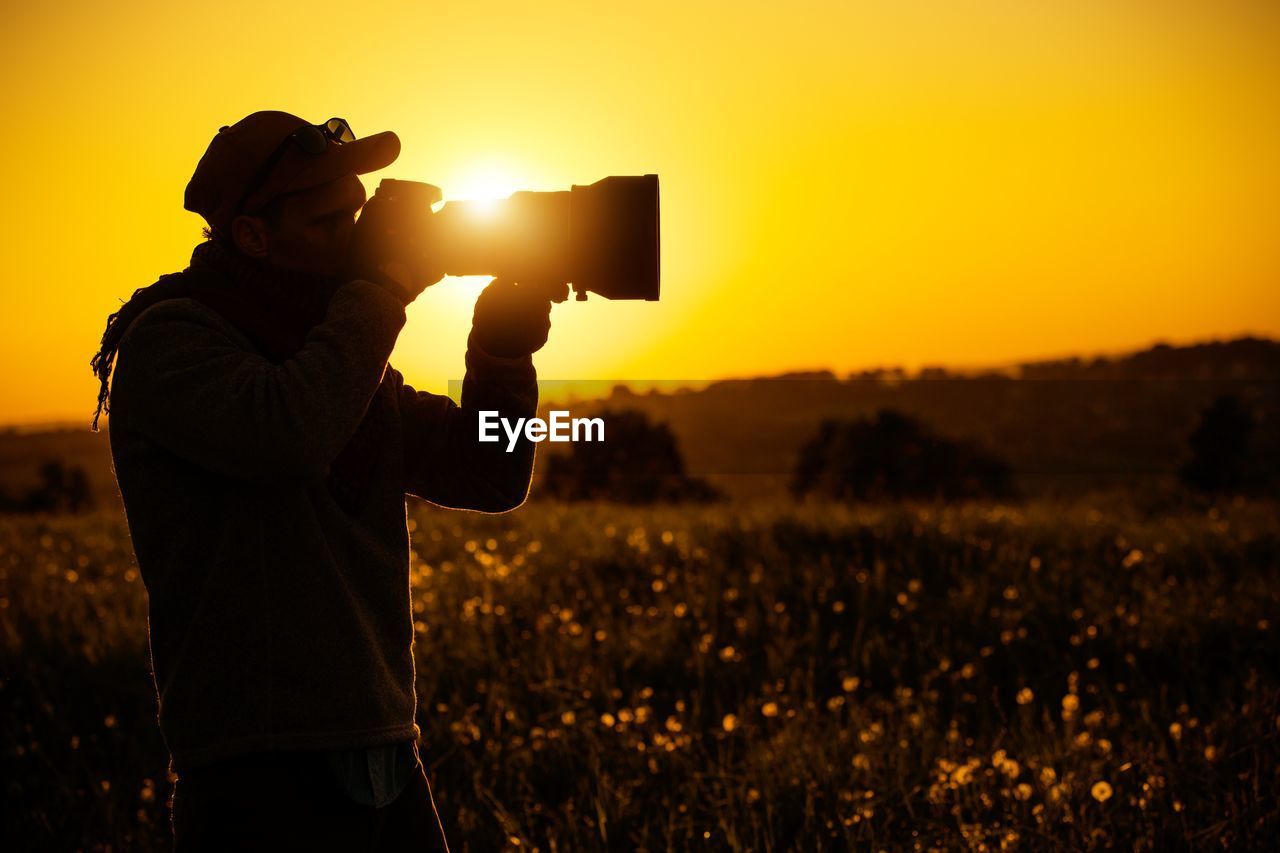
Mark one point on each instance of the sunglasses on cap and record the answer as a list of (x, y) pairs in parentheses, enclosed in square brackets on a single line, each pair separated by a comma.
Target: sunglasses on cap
[(310, 139)]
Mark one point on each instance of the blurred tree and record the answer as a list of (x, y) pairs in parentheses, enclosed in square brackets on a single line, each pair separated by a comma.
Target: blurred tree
[(1222, 454), (62, 489), (892, 457), (637, 463)]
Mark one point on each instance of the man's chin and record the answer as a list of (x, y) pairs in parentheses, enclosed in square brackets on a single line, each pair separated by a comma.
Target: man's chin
[(304, 269)]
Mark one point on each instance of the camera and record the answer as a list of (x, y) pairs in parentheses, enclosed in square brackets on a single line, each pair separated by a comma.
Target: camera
[(600, 238)]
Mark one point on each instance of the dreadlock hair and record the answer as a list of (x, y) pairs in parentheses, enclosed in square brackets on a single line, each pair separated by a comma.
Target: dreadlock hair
[(144, 297), (102, 362)]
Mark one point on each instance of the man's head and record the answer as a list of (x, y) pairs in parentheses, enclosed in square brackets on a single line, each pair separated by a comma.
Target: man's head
[(284, 191), (305, 231)]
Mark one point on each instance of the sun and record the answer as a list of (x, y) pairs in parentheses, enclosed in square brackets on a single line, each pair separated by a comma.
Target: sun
[(484, 184)]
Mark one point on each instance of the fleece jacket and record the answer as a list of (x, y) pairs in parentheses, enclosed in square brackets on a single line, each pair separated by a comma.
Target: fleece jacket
[(280, 618)]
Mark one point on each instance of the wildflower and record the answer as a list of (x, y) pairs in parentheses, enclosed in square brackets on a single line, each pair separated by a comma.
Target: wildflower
[(769, 709), (963, 774), (1006, 765), (1025, 696), (730, 722), (1101, 791)]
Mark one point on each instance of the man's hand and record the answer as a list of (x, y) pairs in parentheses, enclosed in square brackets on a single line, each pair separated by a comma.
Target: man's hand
[(387, 245), (512, 320)]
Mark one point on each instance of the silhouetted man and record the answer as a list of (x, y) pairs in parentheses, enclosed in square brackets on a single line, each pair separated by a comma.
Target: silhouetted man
[(263, 448)]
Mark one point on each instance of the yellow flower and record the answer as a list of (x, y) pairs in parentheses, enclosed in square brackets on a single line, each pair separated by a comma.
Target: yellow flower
[(769, 709), (1025, 696), (730, 722), (1101, 791)]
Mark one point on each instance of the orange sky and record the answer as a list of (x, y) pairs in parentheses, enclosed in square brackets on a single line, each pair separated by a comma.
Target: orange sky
[(843, 184)]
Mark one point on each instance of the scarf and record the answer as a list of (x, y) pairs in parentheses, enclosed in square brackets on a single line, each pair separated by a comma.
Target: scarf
[(274, 309)]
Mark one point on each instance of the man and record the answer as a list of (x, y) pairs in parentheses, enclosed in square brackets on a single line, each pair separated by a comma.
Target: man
[(263, 447)]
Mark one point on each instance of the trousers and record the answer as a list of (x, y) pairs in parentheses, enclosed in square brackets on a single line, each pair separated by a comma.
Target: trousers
[(293, 801)]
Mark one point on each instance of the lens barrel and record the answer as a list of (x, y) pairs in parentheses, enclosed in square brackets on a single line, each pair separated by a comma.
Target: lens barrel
[(601, 238)]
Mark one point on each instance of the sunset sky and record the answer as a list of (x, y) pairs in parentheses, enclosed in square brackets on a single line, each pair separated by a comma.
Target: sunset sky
[(844, 185)]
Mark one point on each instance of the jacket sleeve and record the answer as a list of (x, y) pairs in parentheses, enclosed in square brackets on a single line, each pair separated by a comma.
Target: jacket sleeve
[(444, 461), (189, 383)]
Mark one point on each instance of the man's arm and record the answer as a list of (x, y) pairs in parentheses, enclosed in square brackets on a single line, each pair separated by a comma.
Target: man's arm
[(445, 463), (185, 383)]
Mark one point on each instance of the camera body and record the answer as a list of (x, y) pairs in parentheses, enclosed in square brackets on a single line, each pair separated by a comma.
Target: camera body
[(600, 238)]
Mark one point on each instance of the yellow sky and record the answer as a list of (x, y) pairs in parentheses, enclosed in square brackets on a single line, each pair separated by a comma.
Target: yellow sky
[(843, 184)]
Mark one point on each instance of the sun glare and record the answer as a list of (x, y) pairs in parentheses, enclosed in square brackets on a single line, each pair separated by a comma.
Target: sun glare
[(484, 185), (487, 186)]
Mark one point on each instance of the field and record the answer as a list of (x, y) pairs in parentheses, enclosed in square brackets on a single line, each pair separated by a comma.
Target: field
[(756, 677)]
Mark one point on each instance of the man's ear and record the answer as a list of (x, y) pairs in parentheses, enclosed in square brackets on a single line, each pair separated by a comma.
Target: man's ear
[(251, 235)]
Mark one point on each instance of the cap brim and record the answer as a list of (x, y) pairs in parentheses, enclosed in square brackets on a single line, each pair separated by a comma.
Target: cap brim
[(366, 154)]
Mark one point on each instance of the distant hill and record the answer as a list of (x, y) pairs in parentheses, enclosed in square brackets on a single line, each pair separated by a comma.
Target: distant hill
[(1240, 359), (1064, 425)]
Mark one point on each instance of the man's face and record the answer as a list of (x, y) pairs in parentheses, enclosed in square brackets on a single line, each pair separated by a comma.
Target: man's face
[(314, 227)]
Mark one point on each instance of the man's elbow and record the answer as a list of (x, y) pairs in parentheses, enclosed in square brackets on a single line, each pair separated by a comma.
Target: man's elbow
[(507, 498)]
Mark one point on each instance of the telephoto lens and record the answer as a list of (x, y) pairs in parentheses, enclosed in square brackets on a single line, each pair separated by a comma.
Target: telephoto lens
[(601, 238)]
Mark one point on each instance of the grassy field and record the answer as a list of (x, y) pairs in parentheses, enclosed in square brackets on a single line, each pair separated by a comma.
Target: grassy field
[(738, 677)]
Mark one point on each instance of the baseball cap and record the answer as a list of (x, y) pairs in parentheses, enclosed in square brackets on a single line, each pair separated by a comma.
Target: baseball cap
[(238, 153)]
